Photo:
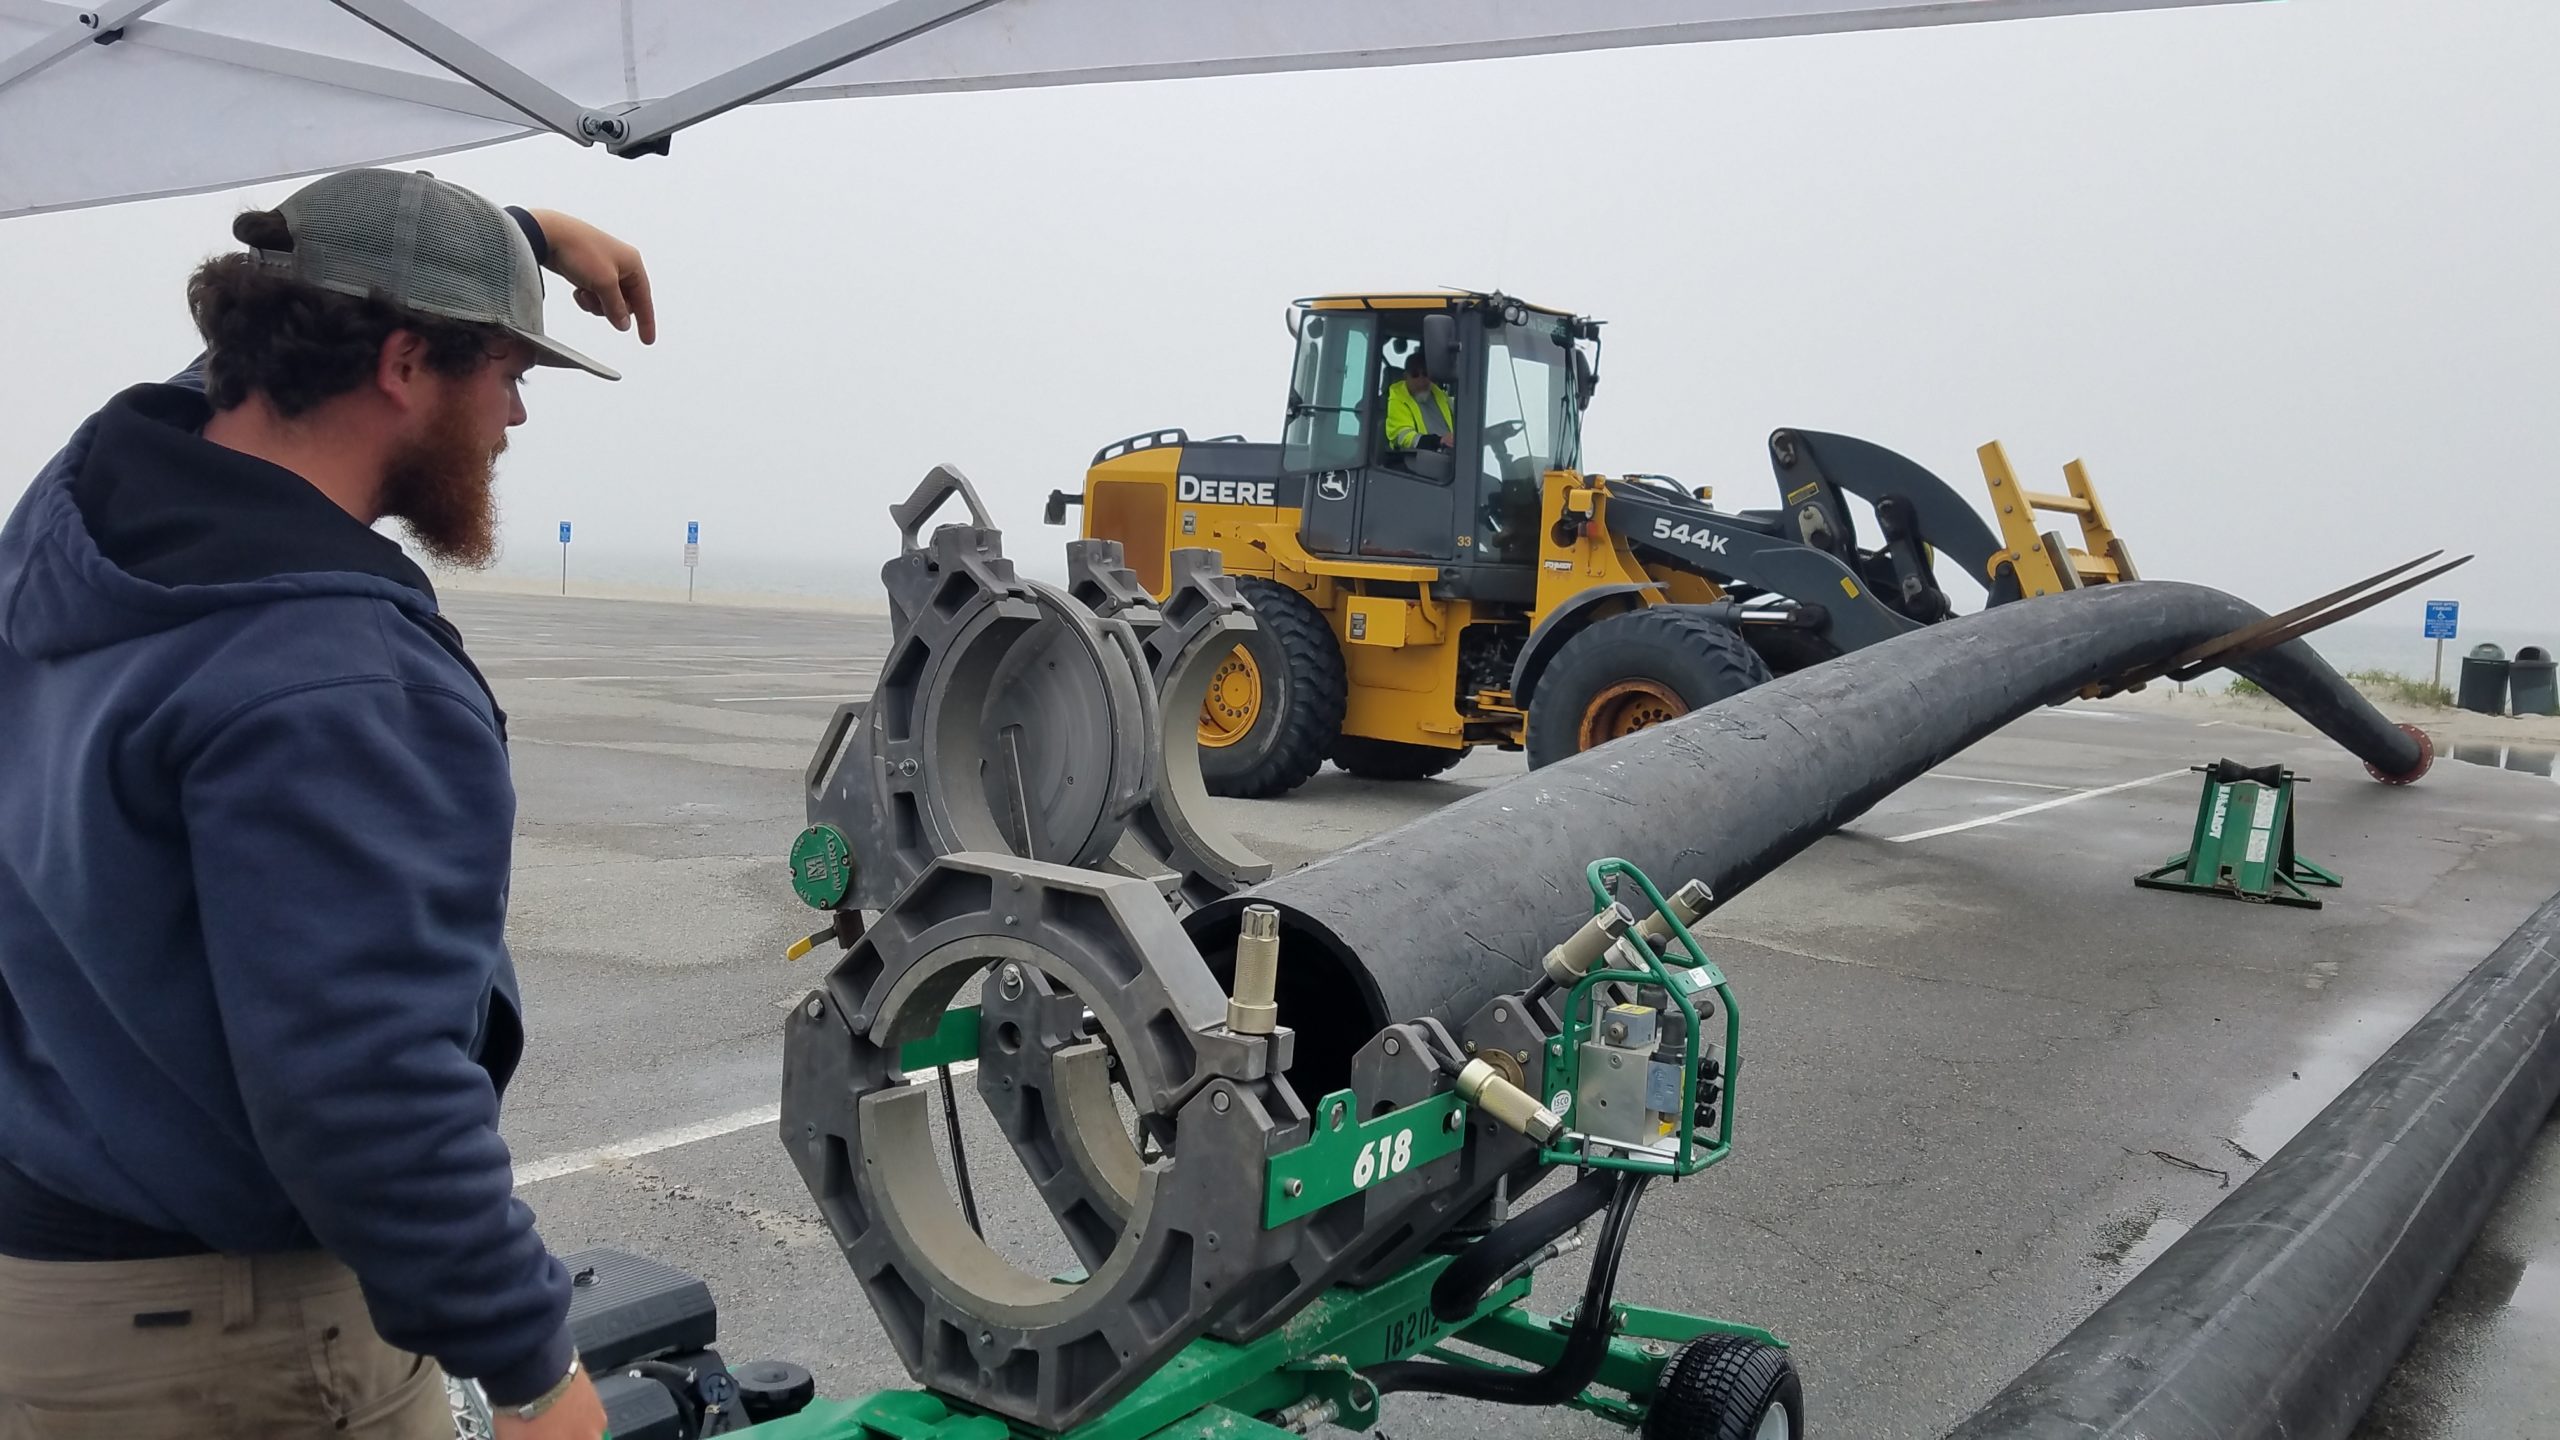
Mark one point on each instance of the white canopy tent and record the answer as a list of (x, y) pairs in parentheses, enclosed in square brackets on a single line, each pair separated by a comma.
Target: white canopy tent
[(132, 99)]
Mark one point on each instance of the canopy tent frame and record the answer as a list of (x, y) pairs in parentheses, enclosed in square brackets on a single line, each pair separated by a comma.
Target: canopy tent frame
[(484, 76), (646, 128), (475, 87)]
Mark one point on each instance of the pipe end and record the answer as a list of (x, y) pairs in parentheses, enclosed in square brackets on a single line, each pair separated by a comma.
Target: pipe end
[(2426, 759)]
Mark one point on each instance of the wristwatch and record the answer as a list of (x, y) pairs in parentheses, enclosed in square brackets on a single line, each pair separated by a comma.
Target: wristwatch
[(532, 1409)]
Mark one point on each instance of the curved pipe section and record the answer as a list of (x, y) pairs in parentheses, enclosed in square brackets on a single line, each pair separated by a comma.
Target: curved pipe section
[(1437, 916)]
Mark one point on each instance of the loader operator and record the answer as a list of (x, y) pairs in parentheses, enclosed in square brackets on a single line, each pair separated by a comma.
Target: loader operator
[(256, 1003), (1418, 416)]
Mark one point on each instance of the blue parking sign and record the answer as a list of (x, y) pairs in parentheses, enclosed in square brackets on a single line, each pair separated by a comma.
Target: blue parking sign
[(2440, 618), (564, 532), (693, 532)]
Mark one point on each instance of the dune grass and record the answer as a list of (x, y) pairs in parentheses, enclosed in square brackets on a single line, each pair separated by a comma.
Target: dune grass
[(2407, 689), (2389, 684)]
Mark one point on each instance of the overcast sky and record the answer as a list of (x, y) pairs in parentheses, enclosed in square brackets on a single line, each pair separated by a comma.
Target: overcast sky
[(2283, 274)]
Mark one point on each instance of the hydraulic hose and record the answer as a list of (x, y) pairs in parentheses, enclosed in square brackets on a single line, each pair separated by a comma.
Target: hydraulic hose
[(1439, 915), (1584, 1348), (1463, 1286)]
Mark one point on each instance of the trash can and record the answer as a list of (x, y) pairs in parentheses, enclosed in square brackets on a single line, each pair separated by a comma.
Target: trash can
[(2532, 688), (2484, 680)]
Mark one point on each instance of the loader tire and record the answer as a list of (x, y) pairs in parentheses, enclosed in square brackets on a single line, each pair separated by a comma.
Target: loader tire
[(1275, 712), (1633, 671), (1393, 759)]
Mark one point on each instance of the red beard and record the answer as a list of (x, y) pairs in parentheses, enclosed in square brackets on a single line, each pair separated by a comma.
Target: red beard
[(443, 485)]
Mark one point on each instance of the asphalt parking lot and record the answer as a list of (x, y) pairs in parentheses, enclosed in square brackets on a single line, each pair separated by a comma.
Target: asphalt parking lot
[(1987, 1078)]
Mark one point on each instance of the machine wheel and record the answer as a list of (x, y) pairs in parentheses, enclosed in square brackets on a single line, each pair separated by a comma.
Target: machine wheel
[(1726, 1387), (1393, 759), (1275, 707), (1633, 671)]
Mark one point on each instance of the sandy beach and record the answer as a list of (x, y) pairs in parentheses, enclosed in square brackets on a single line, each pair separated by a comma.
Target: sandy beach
[(2448, 727)]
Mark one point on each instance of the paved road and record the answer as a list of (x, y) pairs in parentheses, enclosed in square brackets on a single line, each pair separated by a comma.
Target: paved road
[(1987, 1079), (2483, 1367)]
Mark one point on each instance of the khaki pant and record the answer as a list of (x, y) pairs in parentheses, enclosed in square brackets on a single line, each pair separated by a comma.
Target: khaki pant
[(204, 1348)]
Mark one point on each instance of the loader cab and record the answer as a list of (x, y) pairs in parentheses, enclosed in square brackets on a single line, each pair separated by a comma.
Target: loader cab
[(1517, 382)]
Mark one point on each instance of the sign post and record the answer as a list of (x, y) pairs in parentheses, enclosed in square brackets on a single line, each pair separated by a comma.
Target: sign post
[(692, 554), (2440, 623), (564, 557)]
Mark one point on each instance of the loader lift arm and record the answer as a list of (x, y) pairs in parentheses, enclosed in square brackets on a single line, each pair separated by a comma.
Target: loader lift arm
[(1749, 553), (1807, 556), (1919, 513)]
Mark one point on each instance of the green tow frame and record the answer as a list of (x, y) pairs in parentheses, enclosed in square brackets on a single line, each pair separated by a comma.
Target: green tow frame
[(1307, 1370)]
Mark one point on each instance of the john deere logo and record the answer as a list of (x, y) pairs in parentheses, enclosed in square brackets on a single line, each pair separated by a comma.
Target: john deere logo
[(1333, 487), (1192, 490)]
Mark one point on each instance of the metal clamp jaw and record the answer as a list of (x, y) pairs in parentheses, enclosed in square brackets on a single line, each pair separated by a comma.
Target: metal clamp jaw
[(964, 1320), (1014, 716)]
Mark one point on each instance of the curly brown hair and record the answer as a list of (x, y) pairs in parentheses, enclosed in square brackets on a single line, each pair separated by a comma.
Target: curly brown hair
[(300, 345)]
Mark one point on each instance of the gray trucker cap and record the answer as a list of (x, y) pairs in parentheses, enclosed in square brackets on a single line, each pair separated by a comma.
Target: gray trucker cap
[(423, 244)]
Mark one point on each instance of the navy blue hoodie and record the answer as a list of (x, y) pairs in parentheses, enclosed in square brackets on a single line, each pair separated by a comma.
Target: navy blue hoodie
[(255, 824)]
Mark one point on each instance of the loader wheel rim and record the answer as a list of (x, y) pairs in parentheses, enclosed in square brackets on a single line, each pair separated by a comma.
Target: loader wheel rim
[(1233, 703), (1627, 707)]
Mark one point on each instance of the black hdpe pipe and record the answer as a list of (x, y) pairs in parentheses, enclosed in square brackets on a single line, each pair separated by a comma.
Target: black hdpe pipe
[(1438, 916), (2284, 1310)]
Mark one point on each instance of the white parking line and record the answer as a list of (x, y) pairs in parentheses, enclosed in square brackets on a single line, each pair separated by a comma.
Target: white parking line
[(656, 1140), (2058, 800), (761, 699), (576, 1161), (1989, 780)]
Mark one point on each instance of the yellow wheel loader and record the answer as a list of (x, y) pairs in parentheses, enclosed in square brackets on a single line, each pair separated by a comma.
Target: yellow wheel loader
[(1460, 582)]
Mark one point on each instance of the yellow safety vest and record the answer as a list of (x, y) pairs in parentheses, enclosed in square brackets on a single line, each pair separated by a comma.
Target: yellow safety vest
[(1404, 416)]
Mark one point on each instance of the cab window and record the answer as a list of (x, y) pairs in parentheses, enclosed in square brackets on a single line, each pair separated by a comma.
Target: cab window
[(1328, 424)]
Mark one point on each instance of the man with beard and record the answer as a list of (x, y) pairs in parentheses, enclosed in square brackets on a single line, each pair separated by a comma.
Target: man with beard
[(256, 1008)]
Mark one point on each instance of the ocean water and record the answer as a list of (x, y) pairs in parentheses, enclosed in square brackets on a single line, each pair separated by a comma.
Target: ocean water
[(2360, 644)]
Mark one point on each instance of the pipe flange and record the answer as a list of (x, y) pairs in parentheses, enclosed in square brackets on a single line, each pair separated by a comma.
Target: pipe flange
[(964, 1321), (2426, 759)]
